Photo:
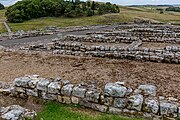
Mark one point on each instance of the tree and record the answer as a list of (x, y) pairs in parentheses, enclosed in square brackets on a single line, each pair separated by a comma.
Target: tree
[(89, 12), (28, 9), (2, 6), (93, 7)]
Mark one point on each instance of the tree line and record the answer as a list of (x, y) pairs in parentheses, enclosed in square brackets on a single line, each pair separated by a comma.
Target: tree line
[(1, 6), (29, 9), (175, 9)]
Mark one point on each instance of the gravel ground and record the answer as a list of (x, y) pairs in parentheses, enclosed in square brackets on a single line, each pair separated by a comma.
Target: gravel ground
[(99, 70)]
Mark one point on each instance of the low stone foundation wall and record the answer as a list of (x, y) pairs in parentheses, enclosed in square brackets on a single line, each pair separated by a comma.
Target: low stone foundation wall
[(170, 54), (115, 98)]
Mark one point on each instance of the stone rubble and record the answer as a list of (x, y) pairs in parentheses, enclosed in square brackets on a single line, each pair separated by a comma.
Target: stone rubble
[(16, 112)]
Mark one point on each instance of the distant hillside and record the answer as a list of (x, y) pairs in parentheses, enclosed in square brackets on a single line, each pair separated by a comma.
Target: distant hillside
[(151, 5)]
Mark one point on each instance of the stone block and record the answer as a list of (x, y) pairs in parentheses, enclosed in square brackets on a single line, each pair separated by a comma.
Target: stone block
[(66, 99), (20, 89), (33, 83), (21, 81), (149, 90), (75, 100), (115, 90), (135, 102), (67, 89), (48, 96), (113, 110), (85, 103), (151, 105), (93, 96), (79, 92), (32, 92), (106, 100), (54, 88), (43, 85), (168, 109), (120, 102), (98, 107)]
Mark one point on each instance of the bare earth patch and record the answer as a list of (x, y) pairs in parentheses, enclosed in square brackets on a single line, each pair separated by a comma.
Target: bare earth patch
[(99, 70)]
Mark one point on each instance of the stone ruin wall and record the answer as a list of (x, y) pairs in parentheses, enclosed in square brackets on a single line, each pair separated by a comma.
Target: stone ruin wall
[(114, 98), (100, 43), (170, 54)]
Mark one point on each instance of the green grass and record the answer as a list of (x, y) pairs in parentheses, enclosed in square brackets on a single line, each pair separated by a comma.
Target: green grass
[(127, 14), (57, 111), (151, 14), (65, 22), (2, 28)]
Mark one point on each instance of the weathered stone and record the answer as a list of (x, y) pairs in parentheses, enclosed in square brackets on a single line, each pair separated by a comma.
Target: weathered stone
[(148, 89), (179, 112), (120, 102), (115, 110), (16, 112), (66, 99), (115, 90), (54, 88), (129, 91), (21, 81), (59, 98), (168, 109), (7, 91), (135, 102), (79, 92), (29, 115), (43, 85), (67, 89), (85, 103), (106, 100), (49, 96), (32, 92), (13, 112), (20, 89), (93, 96), (32, 83), (75, 100), (151, 105), (64, 82), (23, 95), (98, 107)]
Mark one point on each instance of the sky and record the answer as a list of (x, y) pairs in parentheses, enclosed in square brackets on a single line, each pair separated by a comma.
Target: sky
[(120, 2)]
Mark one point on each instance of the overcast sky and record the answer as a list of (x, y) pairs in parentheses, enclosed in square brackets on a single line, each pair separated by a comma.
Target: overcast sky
[(121, 2)]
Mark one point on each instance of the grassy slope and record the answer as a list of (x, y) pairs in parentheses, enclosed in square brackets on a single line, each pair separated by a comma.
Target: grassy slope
[(64, 22), (127, 14), (152, 14), (2, 27), (69, 112)]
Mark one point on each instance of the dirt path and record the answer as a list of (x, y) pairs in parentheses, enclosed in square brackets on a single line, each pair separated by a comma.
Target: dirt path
[(98, 70)]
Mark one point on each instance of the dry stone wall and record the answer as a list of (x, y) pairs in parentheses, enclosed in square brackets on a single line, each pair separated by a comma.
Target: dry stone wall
[(170, 54), (47, 31), (115, 98)]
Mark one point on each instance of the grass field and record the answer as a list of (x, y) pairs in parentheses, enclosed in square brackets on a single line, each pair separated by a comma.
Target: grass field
[(127, 14), (65, 22), (2, 27), (69, 112)]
